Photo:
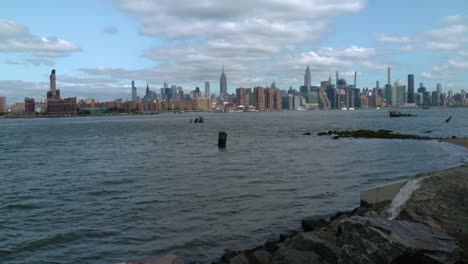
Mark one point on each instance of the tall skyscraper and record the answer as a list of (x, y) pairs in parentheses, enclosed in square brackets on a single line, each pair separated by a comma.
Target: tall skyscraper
[(207, 89), (134, 92), (355, 79), (307, 81), (3, 104), (222, 84), (411, 98), (439, 88), (389, 76)]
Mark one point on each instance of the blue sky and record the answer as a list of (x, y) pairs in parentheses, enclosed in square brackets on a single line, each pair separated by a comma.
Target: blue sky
[(99, 46)]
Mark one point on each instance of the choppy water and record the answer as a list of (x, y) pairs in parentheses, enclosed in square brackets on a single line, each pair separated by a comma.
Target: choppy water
[(104, 189)]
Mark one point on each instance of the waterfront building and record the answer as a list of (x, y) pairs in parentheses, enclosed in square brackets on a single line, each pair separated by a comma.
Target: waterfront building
[(53, 93), (259, 98), (3, 104), (240, 96), (134, 92), (269, 99), (56, 105), (207, 89), (222, 84), (29, 105), (411, 98)]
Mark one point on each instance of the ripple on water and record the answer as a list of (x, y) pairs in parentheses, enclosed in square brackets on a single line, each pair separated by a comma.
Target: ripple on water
[(135, 186)]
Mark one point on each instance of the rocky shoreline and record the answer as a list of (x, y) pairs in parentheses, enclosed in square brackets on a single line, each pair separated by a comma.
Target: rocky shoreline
[(430, 227), (425, 222)]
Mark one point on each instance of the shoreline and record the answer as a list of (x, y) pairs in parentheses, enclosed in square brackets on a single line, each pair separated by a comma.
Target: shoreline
[(365, 234)]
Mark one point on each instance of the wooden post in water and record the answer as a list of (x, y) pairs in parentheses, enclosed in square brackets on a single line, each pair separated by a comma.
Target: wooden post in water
[(222, 138)]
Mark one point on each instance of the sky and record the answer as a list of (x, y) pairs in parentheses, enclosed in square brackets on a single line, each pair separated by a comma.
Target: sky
[(98, 46)]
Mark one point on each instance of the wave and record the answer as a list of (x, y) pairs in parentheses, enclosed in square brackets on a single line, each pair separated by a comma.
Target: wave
[(61, 238)]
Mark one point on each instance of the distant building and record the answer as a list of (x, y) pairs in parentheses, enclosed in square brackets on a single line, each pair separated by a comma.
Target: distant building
[(29, 105), (259, 98), (134, 92), (222, 84), (3, 104), (240, 94), (207, 90), (56, 105), (411, 98), (307, 79)]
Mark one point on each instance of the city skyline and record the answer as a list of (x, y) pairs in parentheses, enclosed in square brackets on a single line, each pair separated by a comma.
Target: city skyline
[(124, 41)]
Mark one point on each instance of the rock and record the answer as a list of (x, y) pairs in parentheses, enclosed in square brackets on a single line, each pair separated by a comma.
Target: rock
[(441, 202), (312, 224), (155, 260), (271, 246), (307, 134), (239, 259), (288, 255), (260, 257), (228, 255), (284, 236), (309, 242), (379, 240)]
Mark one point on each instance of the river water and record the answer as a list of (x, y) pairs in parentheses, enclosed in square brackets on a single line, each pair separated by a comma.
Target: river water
[(107, 189)]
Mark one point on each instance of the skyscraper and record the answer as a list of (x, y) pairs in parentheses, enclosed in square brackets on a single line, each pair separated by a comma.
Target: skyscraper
[(222, 84), (411, 98), (134, 92), (389, 76), (307, 82), (3, 104), (207, 89)]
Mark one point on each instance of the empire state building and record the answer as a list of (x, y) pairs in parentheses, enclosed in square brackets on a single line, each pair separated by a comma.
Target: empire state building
[(222, 84)]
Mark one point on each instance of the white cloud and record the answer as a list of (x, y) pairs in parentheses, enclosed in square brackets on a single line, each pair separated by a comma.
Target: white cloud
[(396, 39), (248, 36), (17, 38)]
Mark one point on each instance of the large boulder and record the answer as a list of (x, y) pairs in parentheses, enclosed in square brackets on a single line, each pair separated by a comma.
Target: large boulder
[(440, 201), (379, 240), (306, 248)]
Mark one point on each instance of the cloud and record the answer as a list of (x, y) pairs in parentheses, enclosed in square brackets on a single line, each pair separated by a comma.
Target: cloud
[(17, 38), (111, 30), (254, 39), (435, 76), (397, 39), (193, 66), (38, 62)]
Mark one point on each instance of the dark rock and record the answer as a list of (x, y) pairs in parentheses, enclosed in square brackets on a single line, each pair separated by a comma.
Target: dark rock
[(228, 255), (288, 255), (307, 134), (239, 259), (341, 215), (379, 240), (309, 242), (260, 257), (336, 137), (454, 137), (155, 260), (284, 236), (312, 224), (271, 246)]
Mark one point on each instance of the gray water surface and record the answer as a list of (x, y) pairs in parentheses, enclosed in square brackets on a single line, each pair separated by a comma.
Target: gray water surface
[(107, 189)]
